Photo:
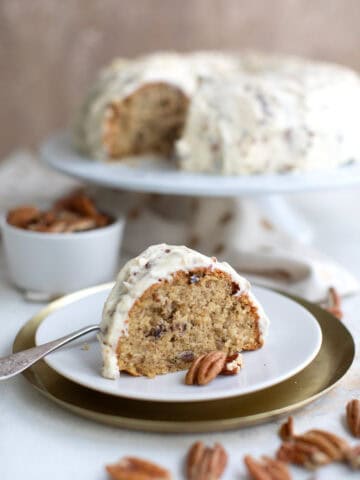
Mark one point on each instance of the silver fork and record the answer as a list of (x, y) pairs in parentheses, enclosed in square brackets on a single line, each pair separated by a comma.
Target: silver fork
[(18, 362)]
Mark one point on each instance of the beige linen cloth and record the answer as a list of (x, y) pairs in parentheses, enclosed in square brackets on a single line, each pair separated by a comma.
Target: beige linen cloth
[(234, 230)]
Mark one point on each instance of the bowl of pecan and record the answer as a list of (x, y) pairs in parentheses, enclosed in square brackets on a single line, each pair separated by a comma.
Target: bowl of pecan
[(61, 249)]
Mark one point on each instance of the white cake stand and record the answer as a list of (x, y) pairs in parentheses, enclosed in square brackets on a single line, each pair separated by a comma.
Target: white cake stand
[(154, 175)]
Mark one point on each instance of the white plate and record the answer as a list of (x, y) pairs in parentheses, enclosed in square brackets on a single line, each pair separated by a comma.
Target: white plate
[(161, 176), (294, 340)]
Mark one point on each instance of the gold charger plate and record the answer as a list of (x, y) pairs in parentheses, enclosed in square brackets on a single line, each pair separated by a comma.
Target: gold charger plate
[(320, 376)]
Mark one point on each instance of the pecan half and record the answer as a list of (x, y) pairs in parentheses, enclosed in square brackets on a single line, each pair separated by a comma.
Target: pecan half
[(21, 217), (205, 463), (266, 469), (205, 368), (233, 364), (353, 457), (102, 220), (302, 454), (58, 226), (74, 213), (313, 449), (81, 224), (353, 417), (132, 468), (77, 202), (286, 430), (333, 303), (186, 356)]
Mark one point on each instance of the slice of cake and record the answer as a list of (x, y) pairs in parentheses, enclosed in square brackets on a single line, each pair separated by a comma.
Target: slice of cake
[(171, 304), (139, 106)]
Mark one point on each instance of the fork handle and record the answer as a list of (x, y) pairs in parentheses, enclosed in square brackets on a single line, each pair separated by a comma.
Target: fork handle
[(18, 362)]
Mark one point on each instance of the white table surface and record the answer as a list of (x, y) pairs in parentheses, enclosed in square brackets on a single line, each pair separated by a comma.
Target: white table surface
[(39, 440)]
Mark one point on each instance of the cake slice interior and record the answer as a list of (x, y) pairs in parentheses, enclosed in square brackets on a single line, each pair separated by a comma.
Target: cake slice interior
[(149, 120), (175, 321)]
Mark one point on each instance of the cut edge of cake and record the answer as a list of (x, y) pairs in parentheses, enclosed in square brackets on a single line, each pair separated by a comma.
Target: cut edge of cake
[(148, 121)]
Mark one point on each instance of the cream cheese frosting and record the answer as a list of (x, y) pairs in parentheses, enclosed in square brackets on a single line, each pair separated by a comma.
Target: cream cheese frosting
[(282, 116), (155, 264), (249, 112), (124, 77)]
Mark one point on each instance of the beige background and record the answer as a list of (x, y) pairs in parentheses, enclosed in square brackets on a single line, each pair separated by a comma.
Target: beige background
[(50, 50)]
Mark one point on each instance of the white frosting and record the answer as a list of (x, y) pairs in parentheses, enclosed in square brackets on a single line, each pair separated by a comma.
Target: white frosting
[(155, 264), (284, 116), (123, 77), (248, 113)]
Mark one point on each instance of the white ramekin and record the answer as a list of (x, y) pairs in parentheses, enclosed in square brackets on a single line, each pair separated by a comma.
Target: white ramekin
[(58, 263)]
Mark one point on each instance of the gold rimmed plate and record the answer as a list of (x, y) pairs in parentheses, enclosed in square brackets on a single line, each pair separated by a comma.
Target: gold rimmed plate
[(264, 367), (322, 374)]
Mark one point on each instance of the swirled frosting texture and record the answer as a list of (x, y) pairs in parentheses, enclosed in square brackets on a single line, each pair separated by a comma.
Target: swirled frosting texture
[(249, 113), (274, 117)]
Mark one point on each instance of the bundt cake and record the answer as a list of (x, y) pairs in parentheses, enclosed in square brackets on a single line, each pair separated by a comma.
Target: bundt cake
[(171, 304), (224, 113)]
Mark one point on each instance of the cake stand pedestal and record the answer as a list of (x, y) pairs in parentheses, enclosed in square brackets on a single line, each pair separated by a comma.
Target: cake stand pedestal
[(245, 220)]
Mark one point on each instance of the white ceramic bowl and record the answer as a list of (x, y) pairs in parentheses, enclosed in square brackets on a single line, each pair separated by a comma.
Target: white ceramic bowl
[(57, 263)]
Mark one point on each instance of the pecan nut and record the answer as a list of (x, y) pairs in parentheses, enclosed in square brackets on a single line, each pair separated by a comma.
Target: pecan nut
[(205, 463), (353, 417), (352, 457), (77, 202), (58, 226), (333, 303), (102, 220), (302, 454), (233, 364), (286, 430), (74, 213), (23, 216), (205, 368), (81, 225), (313, 449), (266, 469), (132, 468)]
